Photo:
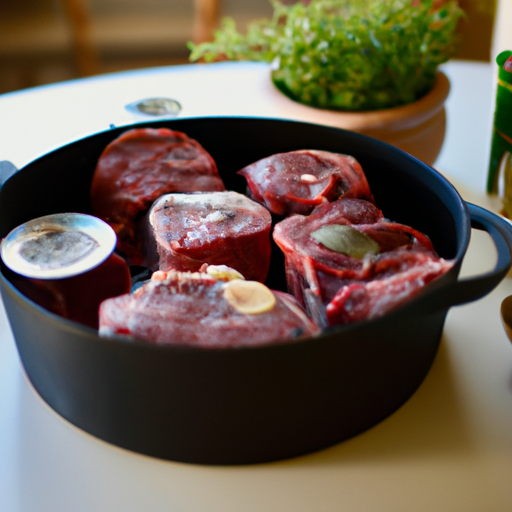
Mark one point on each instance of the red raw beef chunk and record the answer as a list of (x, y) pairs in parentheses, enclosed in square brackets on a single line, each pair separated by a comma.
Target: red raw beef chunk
[(395, 263), (219, 228), (78, 298), (185, 308), (298, 181), (137, 168)]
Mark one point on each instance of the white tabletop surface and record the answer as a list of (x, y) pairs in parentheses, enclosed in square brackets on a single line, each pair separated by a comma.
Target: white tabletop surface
[(449, 448)]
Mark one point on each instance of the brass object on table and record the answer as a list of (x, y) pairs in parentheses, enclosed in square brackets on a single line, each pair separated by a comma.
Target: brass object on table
[(506, 316)]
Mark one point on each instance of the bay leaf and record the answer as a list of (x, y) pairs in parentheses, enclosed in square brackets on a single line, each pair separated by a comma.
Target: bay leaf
[(346, 240)]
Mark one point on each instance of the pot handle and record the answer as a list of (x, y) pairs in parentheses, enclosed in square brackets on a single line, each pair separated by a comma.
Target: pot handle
[(473, 288), (7, 169)]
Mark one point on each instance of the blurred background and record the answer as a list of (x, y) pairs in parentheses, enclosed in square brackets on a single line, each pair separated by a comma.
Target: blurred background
[(45, 41)]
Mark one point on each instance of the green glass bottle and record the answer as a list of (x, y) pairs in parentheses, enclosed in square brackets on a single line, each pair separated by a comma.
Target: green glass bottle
[(501, 147)]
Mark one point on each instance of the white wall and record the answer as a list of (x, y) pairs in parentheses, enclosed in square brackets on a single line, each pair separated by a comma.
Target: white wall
[(502, 37)]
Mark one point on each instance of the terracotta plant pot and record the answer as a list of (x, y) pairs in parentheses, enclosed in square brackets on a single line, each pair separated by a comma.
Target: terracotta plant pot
[(417, 128)]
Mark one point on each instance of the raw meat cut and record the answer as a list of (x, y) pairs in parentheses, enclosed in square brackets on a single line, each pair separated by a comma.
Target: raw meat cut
[(205, 309), (137, 168), (297, 181), (78, 298), (356, 263), (183, 231)]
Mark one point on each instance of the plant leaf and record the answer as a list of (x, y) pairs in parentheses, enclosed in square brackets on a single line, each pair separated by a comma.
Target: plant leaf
[(346, 54)]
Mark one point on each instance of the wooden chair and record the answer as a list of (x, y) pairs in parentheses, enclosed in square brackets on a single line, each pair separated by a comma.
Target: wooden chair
[(86, 54), (41, 39), (206, 19)]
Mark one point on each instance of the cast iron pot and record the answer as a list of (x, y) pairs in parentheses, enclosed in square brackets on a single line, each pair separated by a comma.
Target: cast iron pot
[(246, 405)]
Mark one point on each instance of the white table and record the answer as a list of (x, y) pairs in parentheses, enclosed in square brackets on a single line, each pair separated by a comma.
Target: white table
[(449, 448)]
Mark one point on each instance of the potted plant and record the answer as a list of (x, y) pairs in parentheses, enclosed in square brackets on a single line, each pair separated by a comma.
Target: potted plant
[(369, 61)]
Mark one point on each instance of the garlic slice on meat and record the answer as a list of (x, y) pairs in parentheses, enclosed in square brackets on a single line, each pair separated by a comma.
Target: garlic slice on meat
[(249, 297), (223, 272)]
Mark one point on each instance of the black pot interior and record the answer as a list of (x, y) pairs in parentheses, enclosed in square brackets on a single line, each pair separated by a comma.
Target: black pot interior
[(405, 189)]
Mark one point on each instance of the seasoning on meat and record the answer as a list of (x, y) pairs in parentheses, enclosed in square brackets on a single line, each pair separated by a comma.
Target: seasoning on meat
[(249, 297), (191, 308), (137, 168), (183, 231), (297, 181), (386, 264)]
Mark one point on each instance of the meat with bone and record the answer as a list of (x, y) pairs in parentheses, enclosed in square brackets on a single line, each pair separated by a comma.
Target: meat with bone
[(137, 168), (297, 181), (210, 309), (358, 264), (219, 228), (78, 298)]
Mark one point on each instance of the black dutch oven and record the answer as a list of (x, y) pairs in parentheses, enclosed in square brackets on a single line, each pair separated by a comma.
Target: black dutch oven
[(246, 405)]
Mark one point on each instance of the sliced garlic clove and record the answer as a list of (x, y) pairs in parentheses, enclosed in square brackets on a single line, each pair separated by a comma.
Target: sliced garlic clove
[(223, 272), (249, 297)]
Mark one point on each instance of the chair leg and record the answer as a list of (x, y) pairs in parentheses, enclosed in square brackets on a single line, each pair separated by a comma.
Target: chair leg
[(206, 18), (86, 55)]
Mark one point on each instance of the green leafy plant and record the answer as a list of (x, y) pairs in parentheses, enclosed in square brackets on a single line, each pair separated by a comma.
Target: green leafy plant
[(346, 54)]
